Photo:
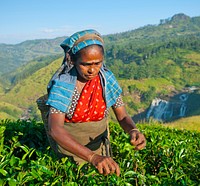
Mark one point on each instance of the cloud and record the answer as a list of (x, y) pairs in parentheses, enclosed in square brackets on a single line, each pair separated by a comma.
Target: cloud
[(67, 30), (44, 33), (60, 30)]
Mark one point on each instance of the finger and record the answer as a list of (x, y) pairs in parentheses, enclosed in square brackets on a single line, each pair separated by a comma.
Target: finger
[(138, 138), (117, 170), (112, 168), (106, 169), (141, 145), (133, 137), (137, 142), (108, 166), (104, 166), (100, 168), (116, 167)]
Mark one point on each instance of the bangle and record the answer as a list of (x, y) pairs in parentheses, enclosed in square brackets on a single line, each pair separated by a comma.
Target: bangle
[(133, 130), (91, 157)]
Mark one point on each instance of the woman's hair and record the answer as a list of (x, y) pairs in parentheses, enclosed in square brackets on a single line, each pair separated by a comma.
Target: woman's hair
[(75, 57)]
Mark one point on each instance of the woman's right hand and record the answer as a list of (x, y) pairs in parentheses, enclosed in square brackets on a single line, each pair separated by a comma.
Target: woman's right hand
[(105, 165)]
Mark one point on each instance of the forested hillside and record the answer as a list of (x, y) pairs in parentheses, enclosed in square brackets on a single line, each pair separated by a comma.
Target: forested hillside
[(152, 61), (169, 50), (14, 56), (177, 26)]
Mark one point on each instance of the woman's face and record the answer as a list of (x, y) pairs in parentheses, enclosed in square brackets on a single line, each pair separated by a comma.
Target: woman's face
[(89, 63)]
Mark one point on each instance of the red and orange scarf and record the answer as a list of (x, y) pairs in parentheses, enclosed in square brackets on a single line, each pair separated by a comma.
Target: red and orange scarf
[(91, 105)]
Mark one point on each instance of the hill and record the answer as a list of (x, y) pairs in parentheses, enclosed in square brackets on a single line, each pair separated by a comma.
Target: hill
[(152, 61), (20, 54), (8, 110), (176, 26), (161, 47), (25, 93), (12, 78), (190, 123)]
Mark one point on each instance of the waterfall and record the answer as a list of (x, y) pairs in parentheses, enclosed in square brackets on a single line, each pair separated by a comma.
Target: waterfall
[(182, 110), (183, 99), (163, 110), (159, 109)]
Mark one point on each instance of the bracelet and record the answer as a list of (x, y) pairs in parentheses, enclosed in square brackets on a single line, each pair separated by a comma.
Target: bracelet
[(133, 130), (91, 157)]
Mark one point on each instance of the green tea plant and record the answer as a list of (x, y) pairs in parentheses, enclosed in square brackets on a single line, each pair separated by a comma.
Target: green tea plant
[(171, 157)]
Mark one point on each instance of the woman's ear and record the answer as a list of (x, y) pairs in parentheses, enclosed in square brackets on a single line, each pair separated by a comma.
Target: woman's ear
[(72, 62), (69, 60)]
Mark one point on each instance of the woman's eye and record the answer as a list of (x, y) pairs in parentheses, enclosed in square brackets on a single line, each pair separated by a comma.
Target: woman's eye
[(96, 64), (99, 63), (85, 65)]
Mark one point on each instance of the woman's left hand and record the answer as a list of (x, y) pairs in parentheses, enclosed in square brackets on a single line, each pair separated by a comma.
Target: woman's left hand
[(137, 139)]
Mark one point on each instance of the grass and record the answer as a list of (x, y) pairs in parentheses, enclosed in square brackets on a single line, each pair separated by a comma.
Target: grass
[(10, 111), (4, 115), (144, 84), (190, 123), (193, 57), (27, 91)]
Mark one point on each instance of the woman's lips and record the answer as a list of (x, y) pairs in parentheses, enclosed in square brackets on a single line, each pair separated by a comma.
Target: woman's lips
[(90, 76)]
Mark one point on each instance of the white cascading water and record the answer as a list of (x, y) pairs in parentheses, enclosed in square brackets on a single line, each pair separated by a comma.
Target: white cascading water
[(183, 108), (158, 109), (164, 110)]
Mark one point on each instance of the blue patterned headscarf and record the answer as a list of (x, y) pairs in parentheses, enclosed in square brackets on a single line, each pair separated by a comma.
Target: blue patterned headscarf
[(82, 39), (74, 43)]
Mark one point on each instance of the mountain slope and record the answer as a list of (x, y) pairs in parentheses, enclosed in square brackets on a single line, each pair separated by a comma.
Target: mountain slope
[(177, 26), (174, 27), (25, 93), (157, 60), (32, 87), (20, 54)]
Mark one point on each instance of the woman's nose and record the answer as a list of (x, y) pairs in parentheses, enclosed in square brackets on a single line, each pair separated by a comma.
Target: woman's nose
[(91, 69)]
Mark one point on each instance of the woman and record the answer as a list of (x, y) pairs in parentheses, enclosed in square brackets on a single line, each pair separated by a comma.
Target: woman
[(80, 95)]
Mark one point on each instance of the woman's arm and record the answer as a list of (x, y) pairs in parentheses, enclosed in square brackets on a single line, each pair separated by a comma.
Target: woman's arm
[(128, 125), (105, 165), (64, 139)]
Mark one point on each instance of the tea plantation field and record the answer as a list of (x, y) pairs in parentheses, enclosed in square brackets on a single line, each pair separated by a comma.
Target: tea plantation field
[(171, 157)]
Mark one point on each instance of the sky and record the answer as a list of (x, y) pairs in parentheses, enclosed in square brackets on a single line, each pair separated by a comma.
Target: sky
[(22, 20)]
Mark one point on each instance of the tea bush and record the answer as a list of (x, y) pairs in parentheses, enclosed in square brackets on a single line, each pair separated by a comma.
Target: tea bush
[(171, 157)]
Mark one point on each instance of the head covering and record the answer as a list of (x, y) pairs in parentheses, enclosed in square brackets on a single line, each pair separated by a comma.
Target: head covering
[(82, 39), (74, 43)]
